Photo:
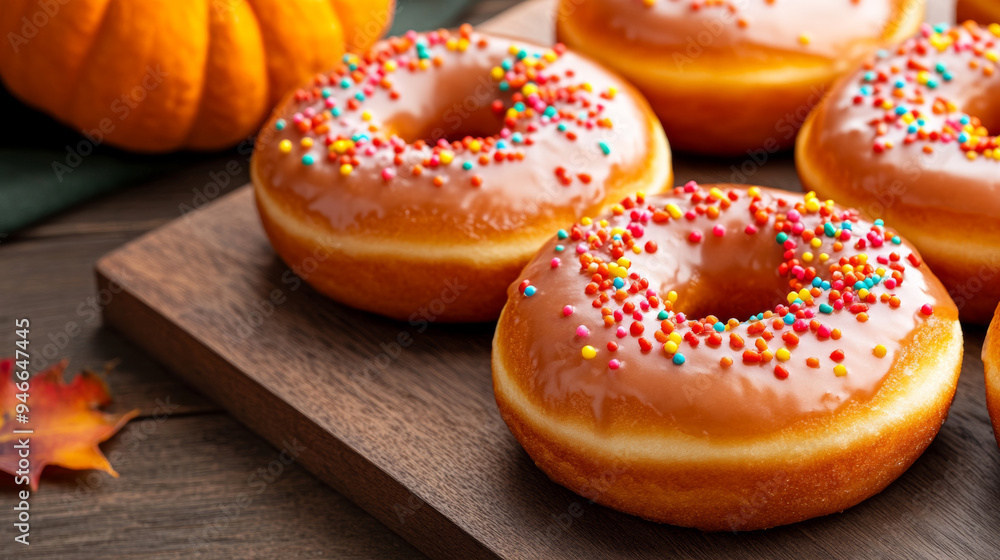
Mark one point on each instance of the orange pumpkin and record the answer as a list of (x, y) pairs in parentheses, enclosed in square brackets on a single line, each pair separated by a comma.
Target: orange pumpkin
[(162, 75)]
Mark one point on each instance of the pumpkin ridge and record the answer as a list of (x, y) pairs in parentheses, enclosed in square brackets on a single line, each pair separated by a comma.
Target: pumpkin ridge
[(204, 78), (71, 117)]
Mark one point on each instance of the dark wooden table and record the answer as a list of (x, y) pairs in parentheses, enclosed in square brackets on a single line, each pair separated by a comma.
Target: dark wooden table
[(183, 462)]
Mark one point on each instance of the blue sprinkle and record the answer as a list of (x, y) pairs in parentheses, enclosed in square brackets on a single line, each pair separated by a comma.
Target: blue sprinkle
[(900, 84), (679, 358), (663, 314), (308, 159), (826, 285), (829, 230), (467, 165), (817, 282), (719, 327), (901, 110), (788, 318), (880, 222), (560, 248), (825, 308), (849, 226), (327, 92), (896, 240), (504, 86), (506, 65), (604, 147), (550, 111), (345, 83), (948, 76), (870, 76), (562, 234), (617, 237), (279, 124), (940, 67), (530, 291), (517, 138), (346, 58), (501, 144), (360, 96), (562, 127), (522, 54), (619, 283), (336, 111), (882, 53), (859, 285)]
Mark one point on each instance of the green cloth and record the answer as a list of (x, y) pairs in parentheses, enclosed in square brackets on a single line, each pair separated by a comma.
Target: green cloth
[(46, 167)]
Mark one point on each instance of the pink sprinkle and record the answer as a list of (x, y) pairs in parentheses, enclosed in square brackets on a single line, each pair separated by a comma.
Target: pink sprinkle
[(794, 216), (800, 325), (621, 333), (582, 331), (644, 305), (555, 262), (824, 331), (890, 283), (690, 187), (926, 309), (695, 237), (388, 174), (581, 248), (751, 229), (718, 230), (614, 364), (567, 311)]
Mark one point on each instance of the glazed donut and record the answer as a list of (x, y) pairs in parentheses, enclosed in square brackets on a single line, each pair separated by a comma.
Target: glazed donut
[(728, 76), (991, 359), (906, 138), (418, 179), (983, 11), (615, 366)]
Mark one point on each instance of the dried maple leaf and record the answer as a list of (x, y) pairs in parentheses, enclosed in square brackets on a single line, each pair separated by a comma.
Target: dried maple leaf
[(65, 419)]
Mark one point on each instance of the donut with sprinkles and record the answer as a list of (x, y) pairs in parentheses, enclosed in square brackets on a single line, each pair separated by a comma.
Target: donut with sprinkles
[(705, 342), (731, 77), (417, 179), (910, 137)]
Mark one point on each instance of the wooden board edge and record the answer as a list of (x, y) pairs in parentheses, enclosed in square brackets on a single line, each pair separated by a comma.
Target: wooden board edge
[(368, 486)]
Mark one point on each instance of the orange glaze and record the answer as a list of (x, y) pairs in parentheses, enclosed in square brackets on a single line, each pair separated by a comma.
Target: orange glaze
[(983, 11), (447, 157), (728, 76), (736, 273), (911, 167)]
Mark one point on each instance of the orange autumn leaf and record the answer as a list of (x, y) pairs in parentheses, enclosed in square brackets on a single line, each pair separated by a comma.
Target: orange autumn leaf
[(65, 418)]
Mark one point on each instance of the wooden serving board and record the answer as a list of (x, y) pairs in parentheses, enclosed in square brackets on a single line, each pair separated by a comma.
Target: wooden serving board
[(401, 419)]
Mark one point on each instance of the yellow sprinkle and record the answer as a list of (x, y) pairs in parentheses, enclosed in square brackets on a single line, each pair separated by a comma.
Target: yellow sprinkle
[(815, 242), (863, 293), (588, 352), (670, 346), (805, 295), (604, 223), (807, 256), (285, 146), (366, 115), (623, 262), (587, 87), (346, 169), (424, 63), (550, 56), (995, 29), (612, 91), (823, 257), (586, 221), (617, 231), (636, 249), (446, 156), (674, 337), (389, 66), (783, 355), (674, 211), (513, 49), (671, 296), (753, 191), (812, 206), (307, 142), (463, 45), (840, 370), (971, 155), (879, 351), (497, 73), (620, 271), (804, 39), (529, 88)]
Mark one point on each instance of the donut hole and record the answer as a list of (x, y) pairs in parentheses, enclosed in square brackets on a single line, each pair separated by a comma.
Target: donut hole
[(452, 116), (986, 107), (727, 282)]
